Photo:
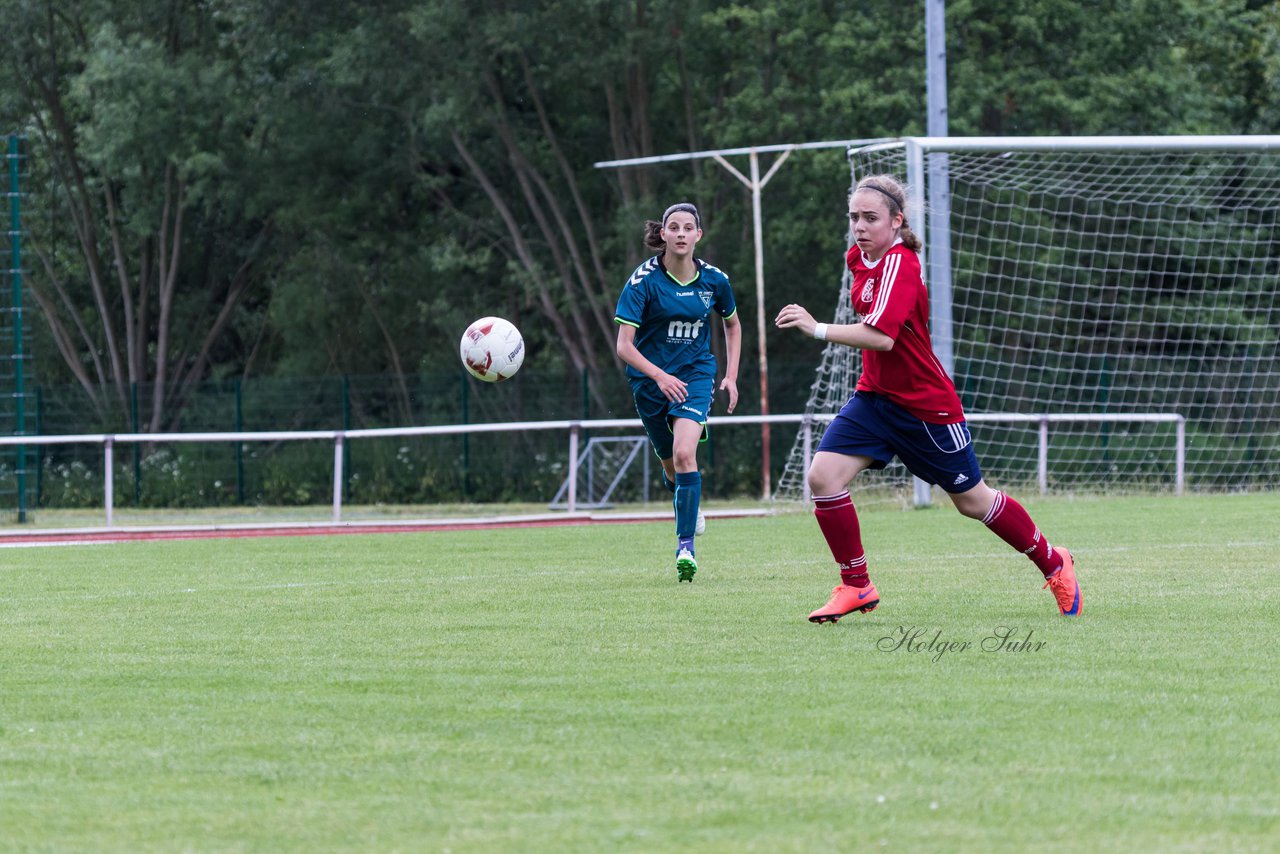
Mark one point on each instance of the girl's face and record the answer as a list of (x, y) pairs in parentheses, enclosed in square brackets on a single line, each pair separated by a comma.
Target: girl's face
[(681, 234), (873, 229)]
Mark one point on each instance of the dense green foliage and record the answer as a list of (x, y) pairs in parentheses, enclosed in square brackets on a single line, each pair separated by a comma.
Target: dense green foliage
[(230, 189)]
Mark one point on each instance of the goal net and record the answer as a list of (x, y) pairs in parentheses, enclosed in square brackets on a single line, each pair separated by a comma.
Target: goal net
[(1134, 275)]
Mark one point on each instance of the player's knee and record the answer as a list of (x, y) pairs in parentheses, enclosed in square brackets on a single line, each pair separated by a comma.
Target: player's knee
[(686, 459), (975, 503), (822, 483)]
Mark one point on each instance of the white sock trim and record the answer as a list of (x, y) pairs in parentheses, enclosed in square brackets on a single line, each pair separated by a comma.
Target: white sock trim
[(997, 507)]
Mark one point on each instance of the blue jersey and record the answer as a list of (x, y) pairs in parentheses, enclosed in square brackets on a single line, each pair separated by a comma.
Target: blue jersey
[(672, 320)]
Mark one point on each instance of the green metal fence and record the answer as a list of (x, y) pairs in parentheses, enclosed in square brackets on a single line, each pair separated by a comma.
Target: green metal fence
[(523, 467)]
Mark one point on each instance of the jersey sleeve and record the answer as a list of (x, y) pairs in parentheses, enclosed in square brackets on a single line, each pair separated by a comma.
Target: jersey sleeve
[(899, 290), (635, 295), (726, 305), (631, 303)]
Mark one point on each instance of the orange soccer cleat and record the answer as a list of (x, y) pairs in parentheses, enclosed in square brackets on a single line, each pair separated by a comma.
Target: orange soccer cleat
[(1065, 587), (845, 600)]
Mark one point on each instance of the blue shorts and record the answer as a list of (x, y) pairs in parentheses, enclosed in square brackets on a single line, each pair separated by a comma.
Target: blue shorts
[(656, 411), (870, 425)]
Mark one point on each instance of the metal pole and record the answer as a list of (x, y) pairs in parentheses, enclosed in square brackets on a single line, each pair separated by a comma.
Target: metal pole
[(1180, 464), (239, 451), (806, 427), (108, 479), (757, 227), (466, 439), (346, 425), (15, 276), (939, 172), (1042, 465), (922, 493), (338, 442), (755, 184), (574, 429), (137, 449), (646, 473), (39, 448)]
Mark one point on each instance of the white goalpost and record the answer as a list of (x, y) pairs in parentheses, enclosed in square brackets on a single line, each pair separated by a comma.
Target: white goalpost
[(1106, 277)]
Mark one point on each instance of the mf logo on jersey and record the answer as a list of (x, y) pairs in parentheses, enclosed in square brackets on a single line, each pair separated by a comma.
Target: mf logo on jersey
[(683, 329)]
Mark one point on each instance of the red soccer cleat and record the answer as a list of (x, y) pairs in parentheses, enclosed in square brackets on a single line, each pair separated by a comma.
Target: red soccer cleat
[(846, 600), (1065, 587)]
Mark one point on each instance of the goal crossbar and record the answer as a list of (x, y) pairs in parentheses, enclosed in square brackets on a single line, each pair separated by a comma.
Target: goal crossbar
[(1242, 142)]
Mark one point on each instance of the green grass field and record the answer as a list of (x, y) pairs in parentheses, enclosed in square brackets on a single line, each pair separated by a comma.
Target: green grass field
[(554, 689)]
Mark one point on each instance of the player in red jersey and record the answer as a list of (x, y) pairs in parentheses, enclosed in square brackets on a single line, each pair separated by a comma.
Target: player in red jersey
[(904, 405)]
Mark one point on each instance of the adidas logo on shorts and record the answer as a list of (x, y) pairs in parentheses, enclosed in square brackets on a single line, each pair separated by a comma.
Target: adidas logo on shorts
[(960, 478)]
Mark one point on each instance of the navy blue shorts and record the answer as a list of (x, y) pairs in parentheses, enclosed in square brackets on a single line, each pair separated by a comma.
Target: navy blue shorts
[(870, 425), (656, 411)]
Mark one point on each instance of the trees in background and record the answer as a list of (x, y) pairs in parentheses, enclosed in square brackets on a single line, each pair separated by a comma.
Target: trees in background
[(232, 189), (138, 211)]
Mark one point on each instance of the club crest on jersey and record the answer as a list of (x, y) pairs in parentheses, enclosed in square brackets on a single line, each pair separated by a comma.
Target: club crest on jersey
[(867, 291), (706, 298)]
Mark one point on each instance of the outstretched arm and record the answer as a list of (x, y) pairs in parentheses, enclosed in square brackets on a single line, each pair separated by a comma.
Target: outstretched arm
[(858, 335)]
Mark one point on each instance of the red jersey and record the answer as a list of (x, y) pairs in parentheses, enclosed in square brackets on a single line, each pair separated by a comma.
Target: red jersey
[(890, 296)]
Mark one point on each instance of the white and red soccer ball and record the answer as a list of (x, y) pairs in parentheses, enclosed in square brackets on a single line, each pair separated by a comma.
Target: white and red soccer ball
[(492, 349)]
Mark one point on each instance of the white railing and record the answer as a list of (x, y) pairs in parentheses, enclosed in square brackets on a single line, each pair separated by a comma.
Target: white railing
[(574, 428)]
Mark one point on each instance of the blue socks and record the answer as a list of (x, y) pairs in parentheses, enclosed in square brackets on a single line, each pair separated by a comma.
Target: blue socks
[(688, 497)]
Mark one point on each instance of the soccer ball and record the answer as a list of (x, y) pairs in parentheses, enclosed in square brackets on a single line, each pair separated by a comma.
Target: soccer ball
[(492, 349)]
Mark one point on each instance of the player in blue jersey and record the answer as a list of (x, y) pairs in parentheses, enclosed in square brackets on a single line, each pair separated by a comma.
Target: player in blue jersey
[(664, 336)]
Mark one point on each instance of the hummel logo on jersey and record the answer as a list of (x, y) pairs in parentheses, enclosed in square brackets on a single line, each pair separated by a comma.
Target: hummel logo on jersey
[(960, 478), (683, 329)]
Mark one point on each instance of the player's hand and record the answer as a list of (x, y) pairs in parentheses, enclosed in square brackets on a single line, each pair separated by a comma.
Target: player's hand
[(673, 388), (795, 317), (731, 386)]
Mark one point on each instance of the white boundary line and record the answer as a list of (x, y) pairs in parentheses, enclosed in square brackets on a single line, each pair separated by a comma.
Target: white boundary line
[(34, 538)]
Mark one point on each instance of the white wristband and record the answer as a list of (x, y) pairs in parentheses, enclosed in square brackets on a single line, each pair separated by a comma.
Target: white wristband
[(820, 332)]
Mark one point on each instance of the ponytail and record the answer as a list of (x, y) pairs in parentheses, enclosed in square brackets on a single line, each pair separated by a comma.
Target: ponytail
[(910, 239), (653, 235)]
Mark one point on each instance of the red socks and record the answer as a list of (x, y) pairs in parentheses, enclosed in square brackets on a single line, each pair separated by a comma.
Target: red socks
[(1011, 523), (839, 524), (1007, 518)]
